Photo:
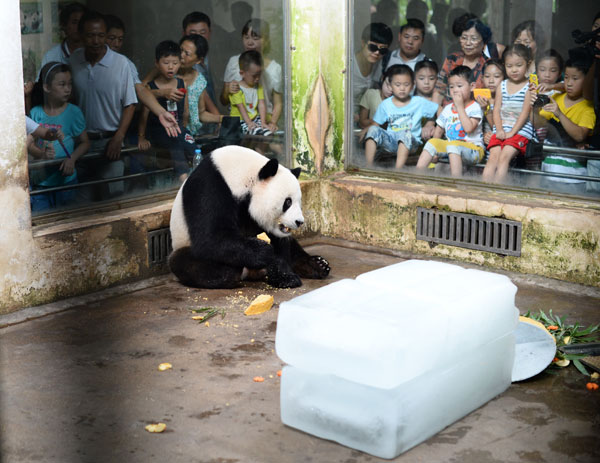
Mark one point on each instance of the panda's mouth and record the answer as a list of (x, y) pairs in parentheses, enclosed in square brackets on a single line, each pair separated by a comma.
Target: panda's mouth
[(284, 229)]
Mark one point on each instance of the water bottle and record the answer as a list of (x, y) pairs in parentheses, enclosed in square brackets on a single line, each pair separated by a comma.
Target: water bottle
[(197, 157)]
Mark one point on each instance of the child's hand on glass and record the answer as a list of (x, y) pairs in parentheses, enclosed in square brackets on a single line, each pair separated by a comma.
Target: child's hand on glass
[(272, 127), (67, 167), (143, 144), (362, 134), (28, 88), (49, 152), (252, 125)]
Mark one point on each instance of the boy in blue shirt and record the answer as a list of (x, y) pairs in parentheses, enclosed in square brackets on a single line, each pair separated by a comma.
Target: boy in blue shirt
[(402, 112)]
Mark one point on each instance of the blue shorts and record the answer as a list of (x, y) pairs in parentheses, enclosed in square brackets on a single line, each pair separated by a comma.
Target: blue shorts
[(389, 141)]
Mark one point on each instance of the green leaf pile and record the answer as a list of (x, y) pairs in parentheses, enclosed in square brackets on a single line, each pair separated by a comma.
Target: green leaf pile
[(567, 334)]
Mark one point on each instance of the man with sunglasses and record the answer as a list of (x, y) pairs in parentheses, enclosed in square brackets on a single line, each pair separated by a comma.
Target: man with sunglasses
[(376, 39)]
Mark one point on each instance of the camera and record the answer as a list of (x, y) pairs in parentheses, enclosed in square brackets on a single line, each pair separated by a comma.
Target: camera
[(542, 100), (586, 37), (588, 50)]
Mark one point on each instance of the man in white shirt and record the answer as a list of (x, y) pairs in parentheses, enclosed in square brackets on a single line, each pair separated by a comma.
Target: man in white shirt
[(105, 93)]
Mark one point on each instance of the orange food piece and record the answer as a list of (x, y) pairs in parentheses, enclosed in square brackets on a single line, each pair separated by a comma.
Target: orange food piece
[(261, 304), (279, 373), (258, 379), (553, 327), (592, 386)]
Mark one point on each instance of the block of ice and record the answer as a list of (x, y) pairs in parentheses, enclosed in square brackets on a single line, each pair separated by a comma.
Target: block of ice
[(394, 324), (387, 422)]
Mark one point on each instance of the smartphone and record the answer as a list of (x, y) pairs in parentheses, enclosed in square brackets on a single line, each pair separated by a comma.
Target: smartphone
[(484, 92), (533, 79)]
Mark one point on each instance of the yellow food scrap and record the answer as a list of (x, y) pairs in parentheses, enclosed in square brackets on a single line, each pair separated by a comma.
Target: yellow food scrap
[(263, 236), (261, 304), (198, 317), (158, 427), (164, 366)]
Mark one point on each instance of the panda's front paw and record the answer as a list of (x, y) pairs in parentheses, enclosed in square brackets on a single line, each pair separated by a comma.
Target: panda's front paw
[(312, 267), (261, 254), (282, 279)]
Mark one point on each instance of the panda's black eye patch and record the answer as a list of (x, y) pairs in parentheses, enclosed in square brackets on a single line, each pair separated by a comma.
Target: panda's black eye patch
[(287, 204)]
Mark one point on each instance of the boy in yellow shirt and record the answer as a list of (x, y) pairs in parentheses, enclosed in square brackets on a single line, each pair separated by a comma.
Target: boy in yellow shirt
[(249, 102), (574, 118)]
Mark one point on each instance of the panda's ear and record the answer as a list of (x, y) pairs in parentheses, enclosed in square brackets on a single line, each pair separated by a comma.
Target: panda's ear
[(269, 169), (296, 172)]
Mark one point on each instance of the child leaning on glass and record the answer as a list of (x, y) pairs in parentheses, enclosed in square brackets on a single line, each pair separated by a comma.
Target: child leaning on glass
[(512, 105), (461, 122), (493, 75), (402, 113)]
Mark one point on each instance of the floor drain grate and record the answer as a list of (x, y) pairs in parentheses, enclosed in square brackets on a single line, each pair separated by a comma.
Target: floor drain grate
[(159, 246), (469, 231)]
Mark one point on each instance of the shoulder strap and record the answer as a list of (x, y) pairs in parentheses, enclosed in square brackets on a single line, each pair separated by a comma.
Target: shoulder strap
[(385, 61), (493, 49)]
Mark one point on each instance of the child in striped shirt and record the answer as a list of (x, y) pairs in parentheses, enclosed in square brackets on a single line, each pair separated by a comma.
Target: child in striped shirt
[(512, 105)]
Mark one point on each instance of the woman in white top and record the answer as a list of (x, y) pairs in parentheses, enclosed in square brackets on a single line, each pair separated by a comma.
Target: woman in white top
[(255, 36)]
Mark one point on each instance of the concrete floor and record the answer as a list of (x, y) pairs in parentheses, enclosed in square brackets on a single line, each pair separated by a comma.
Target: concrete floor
[(80, 385)]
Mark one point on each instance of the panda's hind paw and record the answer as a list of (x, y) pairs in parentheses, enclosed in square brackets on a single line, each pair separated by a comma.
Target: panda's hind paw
[(312, 267)]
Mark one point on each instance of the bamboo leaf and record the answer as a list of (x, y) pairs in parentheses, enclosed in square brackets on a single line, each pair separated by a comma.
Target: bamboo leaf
[(580, 367)]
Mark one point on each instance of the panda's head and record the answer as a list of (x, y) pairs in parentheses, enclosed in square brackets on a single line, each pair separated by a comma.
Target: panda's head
[(275, 201)]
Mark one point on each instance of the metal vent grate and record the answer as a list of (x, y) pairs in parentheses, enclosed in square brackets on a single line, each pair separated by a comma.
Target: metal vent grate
[(159, 246), (469, 231)]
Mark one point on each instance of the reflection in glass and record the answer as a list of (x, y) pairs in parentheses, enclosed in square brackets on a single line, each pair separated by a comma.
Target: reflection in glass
[(118, 147), (561, 150)]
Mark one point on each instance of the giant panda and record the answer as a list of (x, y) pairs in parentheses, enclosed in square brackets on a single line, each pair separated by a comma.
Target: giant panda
[(232, 196)]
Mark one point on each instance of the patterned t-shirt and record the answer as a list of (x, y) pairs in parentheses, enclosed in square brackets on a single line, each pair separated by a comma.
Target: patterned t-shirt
[(405, 118), (450, 122)]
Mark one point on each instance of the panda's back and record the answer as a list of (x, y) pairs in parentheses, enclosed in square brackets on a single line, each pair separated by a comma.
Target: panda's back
[(219, 185)]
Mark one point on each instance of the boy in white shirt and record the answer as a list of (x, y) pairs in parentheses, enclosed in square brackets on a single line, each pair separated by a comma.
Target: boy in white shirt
[(461, 122)]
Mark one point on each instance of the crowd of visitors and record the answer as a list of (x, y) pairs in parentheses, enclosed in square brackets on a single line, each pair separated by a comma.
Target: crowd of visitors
[(87, 93), (485, 103), (491, 102)]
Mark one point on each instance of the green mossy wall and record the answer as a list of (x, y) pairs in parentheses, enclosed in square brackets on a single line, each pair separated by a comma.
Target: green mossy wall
[(559, 241), (318, 41)]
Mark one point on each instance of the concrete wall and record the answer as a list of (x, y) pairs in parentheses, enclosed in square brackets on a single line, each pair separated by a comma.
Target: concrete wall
[(560, 239)]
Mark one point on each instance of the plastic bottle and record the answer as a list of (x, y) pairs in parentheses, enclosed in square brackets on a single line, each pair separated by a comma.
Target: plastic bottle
[(197, 157)]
